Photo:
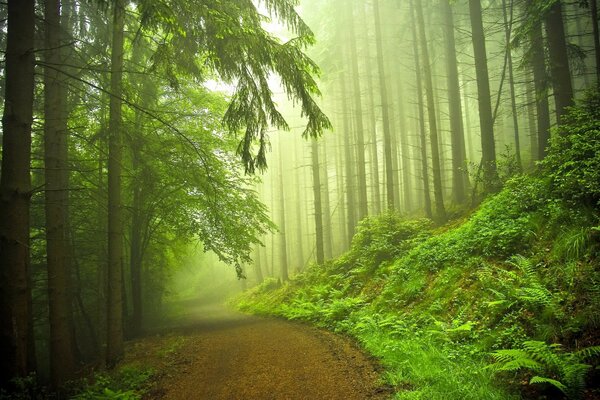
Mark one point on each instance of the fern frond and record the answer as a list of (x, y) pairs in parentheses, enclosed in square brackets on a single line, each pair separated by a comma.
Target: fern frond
[(588, 352), (553, 382)]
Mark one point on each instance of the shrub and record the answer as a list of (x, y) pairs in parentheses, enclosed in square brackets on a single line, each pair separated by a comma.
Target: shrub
[(573, 162)]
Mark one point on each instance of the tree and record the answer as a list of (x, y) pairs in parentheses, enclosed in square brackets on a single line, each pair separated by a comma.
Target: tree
[(421, 125), (16, 330), (459, 156), (387, 134), (508, 23), (358, 117), (62, 357), (317, 202), (559, 59), (540, 79), (488, 145), (440, 211), (114, 308)]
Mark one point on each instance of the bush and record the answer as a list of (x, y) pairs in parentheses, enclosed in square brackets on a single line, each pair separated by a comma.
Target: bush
[(573, 162)]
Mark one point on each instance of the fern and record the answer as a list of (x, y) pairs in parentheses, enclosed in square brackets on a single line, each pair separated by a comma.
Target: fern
[(564, 370)]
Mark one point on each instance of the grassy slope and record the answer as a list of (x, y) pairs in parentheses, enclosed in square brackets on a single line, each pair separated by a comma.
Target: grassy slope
[(434, 304)]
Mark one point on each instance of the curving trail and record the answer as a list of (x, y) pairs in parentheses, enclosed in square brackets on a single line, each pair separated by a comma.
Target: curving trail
[(232, 356)]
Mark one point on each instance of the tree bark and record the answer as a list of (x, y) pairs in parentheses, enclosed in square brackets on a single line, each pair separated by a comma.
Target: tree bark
[(358, 118), (440, 211), (460, 179), (488, 146), (559, 60), (511, 81), (349, 162), (114, 339), (16, 340), (387, 134), (317, 202), (283, 260), (372, 125), (540, 80), (421, 122), (62, 357), (594, 15)]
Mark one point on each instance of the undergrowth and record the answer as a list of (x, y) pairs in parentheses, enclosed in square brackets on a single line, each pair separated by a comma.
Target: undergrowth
[(504, 304)]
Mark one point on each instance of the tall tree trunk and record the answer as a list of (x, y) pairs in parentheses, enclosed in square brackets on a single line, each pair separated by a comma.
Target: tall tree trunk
[(488, 146), (348, 164), (114, 339), (533, 143), (385, 112), (358, 118), (540, 80), (16, 341), (440, 211), (421, 122), (283, 260), (62, 357), (559, 60), (373, 148), (135, 240), (460, 179), (257, 265), (317, 202), (511, 81), (299, 214), (326, 207), (596, 34)]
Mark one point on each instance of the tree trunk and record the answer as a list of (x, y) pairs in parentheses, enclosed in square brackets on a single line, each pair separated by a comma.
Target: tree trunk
[(559, 60), (440, 211), (16, 341), (540, 80), (460, 179), (326, 207), (488, 146), (257, 265), (594, 15), (283, 260), (373, 150), (387, 134), (135, 239), (511, 81), (317, 202), (348, 164), (114, 339), (62, 358), (358, 118), (421, 122)]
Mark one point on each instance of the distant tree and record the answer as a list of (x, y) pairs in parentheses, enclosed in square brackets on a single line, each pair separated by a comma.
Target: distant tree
[(459, 156), (317, 201), (387, 133), (488, 145), (358, 115), (440, 211)]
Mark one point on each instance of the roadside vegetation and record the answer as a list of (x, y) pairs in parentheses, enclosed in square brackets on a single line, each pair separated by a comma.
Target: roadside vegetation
[(502, 303)]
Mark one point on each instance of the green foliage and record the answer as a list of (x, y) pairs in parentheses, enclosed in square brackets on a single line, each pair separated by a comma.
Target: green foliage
[(432, 304), (551, 364), (573, 163), (127, 383)]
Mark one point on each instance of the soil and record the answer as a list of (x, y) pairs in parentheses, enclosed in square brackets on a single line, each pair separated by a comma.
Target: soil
[(219, 354)]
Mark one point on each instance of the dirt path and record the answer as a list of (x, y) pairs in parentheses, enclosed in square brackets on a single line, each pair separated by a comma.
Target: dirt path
[(231, 356)]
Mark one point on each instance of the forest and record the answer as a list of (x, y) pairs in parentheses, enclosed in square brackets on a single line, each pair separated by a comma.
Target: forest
[(300, 199)]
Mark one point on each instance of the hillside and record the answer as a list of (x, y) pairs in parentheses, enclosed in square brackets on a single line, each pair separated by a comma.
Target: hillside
[(500, 304)]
